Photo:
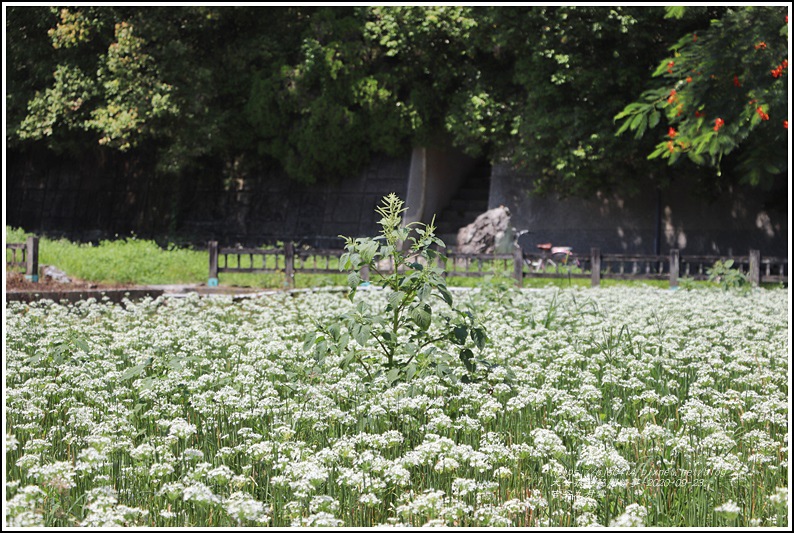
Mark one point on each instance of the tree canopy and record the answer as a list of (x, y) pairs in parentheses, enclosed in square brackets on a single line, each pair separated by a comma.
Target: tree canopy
[(722, 89), (319, 90)]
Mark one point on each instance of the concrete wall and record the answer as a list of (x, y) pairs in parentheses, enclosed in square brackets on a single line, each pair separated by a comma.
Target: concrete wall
[(106, 194), (435, 176), (731, 225)]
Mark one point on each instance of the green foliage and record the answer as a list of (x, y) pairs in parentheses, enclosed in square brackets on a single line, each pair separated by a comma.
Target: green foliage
[(318, 91), (120, 97), (722, 89), (325, 114), (728, 277), (411, 336)]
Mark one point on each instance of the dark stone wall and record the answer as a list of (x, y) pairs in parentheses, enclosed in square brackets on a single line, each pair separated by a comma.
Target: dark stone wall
[(104, 194), (736, 221)]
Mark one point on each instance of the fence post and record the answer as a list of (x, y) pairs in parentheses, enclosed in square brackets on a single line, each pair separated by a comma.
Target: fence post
[(675, 265), (213, 277), (32, 260), (595, 263), (289, 264), (754, 273), (518, 266)]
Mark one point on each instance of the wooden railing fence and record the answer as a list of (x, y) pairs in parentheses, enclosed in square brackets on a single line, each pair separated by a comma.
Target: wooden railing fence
[(28, 260), (595, 266)]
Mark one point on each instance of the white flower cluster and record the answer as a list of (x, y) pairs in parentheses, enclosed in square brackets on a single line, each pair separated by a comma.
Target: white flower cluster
[(207, 412)]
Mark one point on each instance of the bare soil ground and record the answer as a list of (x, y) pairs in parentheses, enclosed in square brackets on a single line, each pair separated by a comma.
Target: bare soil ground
[(16, 282)]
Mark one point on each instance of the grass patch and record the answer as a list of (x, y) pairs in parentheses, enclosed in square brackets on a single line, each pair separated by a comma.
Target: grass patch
[(143, 262)]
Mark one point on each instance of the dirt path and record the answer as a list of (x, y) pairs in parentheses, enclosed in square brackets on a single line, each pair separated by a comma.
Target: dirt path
[(20, 289)]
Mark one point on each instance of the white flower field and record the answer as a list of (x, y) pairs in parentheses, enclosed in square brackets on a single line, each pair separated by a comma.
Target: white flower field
[(611, 406)]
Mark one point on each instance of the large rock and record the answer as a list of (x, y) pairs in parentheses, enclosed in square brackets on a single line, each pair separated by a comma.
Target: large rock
[(490, 233), (55, 274)]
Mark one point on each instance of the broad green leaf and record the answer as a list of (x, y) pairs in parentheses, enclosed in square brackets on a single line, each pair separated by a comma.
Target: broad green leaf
[(344, 261), (641, 130), (410, 371), (714, 146), (421, 315), (624, 127), (335, 331), (424, 292), (654, 120), (132, 372), (361, 332), (479, 337), (628, 110), (445, 294), (34, 358), (308, 340), (368, 249), (636, 121), (82, 344), (353, 280), (396, 299), (659, 151), (459, 334), (393, 375), (466, 356)]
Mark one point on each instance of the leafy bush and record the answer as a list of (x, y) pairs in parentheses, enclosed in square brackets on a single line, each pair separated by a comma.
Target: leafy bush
[(727, 277)]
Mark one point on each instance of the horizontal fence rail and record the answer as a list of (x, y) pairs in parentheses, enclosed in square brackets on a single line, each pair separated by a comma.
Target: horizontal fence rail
[(28, 260), (290, 260)]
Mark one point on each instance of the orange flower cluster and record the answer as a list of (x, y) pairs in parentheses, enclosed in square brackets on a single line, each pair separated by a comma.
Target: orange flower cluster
[(778, 71), (762, 113), (718, 123)]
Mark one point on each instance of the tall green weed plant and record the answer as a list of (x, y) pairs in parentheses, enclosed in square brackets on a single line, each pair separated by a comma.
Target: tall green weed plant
[(419, 331)]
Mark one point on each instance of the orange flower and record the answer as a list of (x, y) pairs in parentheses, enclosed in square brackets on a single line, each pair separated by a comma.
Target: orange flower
[(760, 46), (718, 123), (671, 132)]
